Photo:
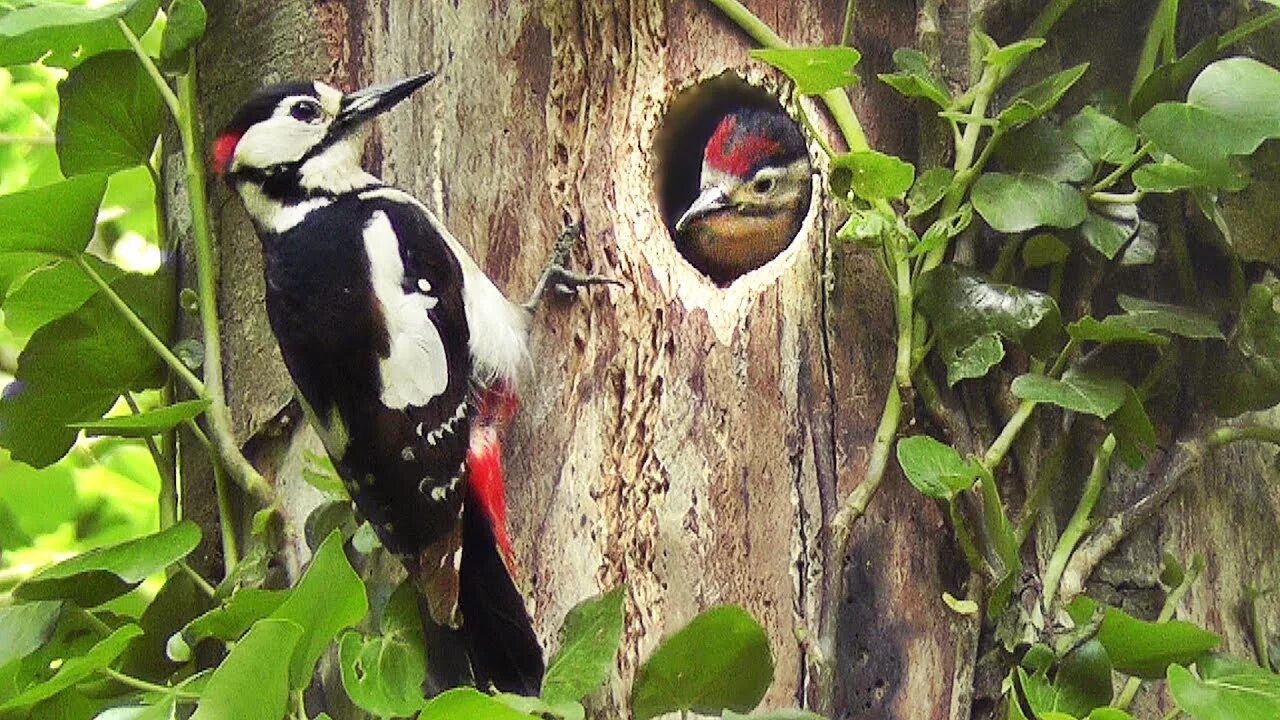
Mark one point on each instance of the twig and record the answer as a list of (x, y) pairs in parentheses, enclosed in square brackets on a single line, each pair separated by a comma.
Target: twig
[(1079, 522), (167, 498)]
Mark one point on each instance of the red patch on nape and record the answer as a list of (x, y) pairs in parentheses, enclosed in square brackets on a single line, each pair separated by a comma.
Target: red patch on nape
[(224, 148), (734, 153)]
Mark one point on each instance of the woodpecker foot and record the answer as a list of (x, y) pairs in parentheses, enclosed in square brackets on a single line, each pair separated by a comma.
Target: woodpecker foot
[(559, 278)]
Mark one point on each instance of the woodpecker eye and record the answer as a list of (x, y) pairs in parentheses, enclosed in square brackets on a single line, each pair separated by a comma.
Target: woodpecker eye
[(764, 185), (307, 111)]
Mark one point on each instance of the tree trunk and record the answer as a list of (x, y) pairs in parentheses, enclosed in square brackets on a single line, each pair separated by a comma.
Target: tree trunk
[(690, 441)]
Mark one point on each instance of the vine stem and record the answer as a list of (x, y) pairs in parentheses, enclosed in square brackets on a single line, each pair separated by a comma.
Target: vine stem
[(145, 686), (1122, 170), (179, 368), (1118, 198), (230, 554), (1079, 523), (183, 107), (167, 498)]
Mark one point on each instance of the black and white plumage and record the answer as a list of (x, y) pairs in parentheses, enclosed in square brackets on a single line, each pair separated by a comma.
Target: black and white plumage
[(388, 327)]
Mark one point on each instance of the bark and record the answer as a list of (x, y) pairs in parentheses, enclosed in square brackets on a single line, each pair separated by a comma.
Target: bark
[(690, 441)]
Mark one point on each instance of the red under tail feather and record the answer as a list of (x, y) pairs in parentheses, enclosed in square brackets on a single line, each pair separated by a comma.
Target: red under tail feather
[(485, 483)]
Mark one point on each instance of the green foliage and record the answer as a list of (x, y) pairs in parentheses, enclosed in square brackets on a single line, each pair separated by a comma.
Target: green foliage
[(252, 682), (719, 661), (814, 70), (1014, 203), (1145, 649), (588, 647), (64, 34), (383, 673), (870, 175), (936, 469), (1225, 689)]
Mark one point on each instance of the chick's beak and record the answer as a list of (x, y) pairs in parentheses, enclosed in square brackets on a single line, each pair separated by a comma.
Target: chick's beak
[(711, 200), (362, 105)]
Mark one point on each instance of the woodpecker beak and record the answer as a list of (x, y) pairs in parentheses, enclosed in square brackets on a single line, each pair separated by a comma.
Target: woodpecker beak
[(711, 200), (360, 106)]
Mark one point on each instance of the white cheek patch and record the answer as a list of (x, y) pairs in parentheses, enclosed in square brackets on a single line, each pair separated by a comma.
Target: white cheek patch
[(330, 97), (336, 169), (416, 369)]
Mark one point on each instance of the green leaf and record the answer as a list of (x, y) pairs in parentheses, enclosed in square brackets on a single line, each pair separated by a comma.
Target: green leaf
[(63, 34), (1173, 319), (253, 682), (1109, 713), (814, 70), (145, 424), (942, 230), (1103, 139), (383, 673), (1135, 435), (1227, 689), (1078, 390), (1242, 89), (1043, 250), (186, 24), (1247, 375), (1042, 149), (51, 292), (94, 577), (915, 79), (77, 668), (540, 708), (1171, 81), (226, 622), (1141, 648), (1083, 680), (976, 359), (1109, 232), (320, 474), (1014, 203), (928, 190), (1198, 137), (1170, 175), (871, 175), (1038, 99), (588, 646), (73, 369), (1112, 329), (178, 600), (109, 115), (327, 599), (25, 627), (773, 715), (936, 469), (468, 702), (965, 307), (1003, 56), (719, 661), (26, 225)]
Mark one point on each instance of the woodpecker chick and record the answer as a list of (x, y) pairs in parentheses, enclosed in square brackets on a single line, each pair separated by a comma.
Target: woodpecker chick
[(404, 354), (754, 192)]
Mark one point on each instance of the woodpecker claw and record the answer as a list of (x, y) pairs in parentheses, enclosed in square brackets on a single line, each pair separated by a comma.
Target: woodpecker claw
[(563, 280)]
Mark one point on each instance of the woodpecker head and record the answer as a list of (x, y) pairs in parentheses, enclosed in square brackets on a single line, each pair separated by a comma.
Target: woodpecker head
[(303, 135), (753, 193)]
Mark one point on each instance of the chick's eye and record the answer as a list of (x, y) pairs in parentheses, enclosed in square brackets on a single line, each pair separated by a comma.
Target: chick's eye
[(305, 111), (763, 185)]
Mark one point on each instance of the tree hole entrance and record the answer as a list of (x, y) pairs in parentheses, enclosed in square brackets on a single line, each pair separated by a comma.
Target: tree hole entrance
[(732, 176)]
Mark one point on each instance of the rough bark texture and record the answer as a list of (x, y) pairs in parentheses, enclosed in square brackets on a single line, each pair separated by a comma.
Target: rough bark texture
[(690, 441)]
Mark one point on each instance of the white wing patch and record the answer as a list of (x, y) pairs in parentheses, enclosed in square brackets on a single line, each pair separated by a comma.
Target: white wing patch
[(416, 370)]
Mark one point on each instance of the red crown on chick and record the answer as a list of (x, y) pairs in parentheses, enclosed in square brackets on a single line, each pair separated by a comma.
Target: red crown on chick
[(748, 139)]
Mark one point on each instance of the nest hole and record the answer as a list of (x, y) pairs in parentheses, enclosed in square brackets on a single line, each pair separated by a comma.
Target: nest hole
[(741, 236)]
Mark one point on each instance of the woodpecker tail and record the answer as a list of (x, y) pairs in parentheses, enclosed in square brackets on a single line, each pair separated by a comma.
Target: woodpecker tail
[(497, 634)]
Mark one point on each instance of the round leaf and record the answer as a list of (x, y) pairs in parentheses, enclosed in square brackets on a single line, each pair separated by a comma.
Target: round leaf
[(1014, 203), (719, 661), (1077, 390), (588, 645), (934, 468), (187, 20), (814, 70)]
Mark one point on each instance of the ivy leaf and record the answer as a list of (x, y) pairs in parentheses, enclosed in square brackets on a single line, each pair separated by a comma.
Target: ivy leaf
[(51, 292), (976, 359), (186, 25), (719, 661), (871, 175), (1109, 231), (1112, 329), (1197, 136), (936, 469), (328, 599), (226, 622), (1043, 250), (928, 190), (1014, 203), (1173, 319), (1014, 52), (1078, 391), (588, 645), (1247, 373), (814, 70), (1170, 175), (145, 424), (73, 369), (76, 668), (1040, 148), (1038, 99), (915, 79), (1141, 648), (1227, 689), (465, 702), (942, 230), (965, 307), (1103, 139), (96, 576), (382, 674), (27, 226), (1135, 435), (1242, 89), (1083, 680), (319, 473), (108, 116), (1171, 81), (773, 715), (252, 682), (63, 35), (24, 627)]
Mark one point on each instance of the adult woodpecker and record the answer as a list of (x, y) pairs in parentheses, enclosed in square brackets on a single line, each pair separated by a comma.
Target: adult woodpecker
[(754, 192), (404, 354)]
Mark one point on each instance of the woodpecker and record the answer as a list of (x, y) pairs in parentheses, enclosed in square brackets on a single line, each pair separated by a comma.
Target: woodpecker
[(754, 191), (404, 354)]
